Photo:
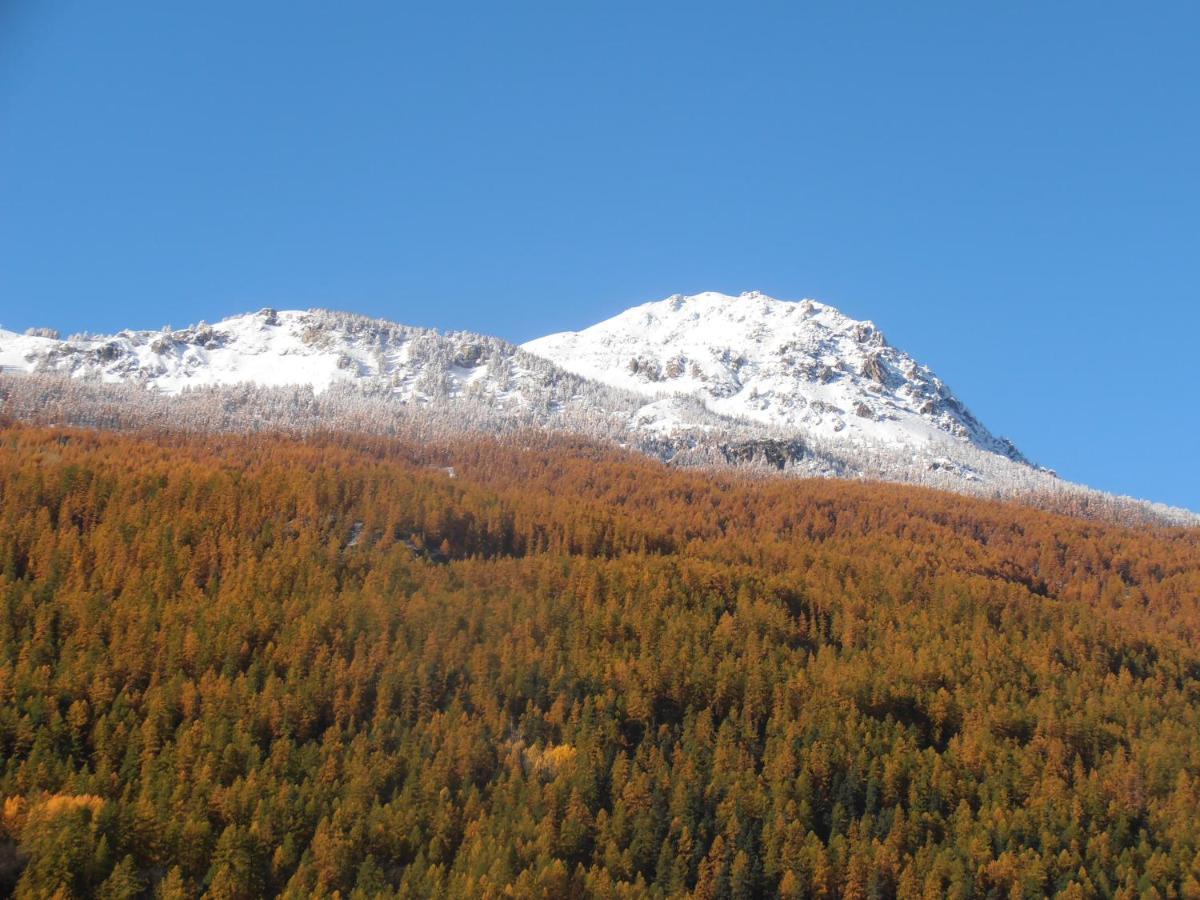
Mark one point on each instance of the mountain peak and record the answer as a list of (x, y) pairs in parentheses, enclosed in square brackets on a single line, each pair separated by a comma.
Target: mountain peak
[(747, 307), (799, 365)]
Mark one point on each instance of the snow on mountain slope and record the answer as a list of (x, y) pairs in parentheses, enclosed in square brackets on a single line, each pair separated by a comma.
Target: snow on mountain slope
[(18, 351), (800, 366), (706, 380), (707, 369), (269, 349), (472, 378)]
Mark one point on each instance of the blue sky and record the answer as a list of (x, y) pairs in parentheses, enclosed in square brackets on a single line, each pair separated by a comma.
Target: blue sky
[(1010, 191)]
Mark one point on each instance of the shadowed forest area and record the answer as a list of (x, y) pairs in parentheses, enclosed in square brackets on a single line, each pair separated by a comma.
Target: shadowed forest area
[(534, 667)]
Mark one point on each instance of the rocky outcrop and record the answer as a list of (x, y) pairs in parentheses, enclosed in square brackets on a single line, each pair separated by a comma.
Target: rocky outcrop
[(775, 453), (874, 369)]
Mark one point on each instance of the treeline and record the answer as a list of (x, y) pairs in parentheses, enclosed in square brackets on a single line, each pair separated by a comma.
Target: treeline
[(418, 411), (239, 667)]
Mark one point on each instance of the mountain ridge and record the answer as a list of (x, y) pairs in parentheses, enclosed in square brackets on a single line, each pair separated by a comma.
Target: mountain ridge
[(770, 406)]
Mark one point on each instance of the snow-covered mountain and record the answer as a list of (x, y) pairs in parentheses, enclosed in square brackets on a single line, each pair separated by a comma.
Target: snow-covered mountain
[(474, 380), (268, 348), (685, 364), (797, 366), (703, 380)]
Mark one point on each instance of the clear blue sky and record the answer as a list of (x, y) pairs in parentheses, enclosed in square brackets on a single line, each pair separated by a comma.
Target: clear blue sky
[(1011, 191)]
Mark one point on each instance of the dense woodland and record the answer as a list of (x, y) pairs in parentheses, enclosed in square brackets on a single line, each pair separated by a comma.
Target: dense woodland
[(238, 667)]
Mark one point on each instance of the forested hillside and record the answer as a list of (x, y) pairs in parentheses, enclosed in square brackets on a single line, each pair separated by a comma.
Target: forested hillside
[(243, 666)]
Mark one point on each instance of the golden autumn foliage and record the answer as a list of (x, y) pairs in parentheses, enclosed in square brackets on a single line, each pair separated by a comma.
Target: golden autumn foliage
[(257, 666)]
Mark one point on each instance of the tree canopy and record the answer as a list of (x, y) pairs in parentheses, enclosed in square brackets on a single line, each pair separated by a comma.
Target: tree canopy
[(237, 667)]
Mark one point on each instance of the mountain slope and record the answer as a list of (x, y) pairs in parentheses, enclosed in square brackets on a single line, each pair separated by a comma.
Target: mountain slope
[(708, 380), (270, 348), (800, 366), (570, 672), (474, 381)]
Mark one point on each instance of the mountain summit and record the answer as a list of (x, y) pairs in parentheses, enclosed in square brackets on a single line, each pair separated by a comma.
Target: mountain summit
[(801, 366)]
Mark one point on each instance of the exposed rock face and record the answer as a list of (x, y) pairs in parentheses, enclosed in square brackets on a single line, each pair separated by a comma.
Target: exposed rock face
[(774, 453), (866, 333), (874, 369), (469, 356), (109, 352)]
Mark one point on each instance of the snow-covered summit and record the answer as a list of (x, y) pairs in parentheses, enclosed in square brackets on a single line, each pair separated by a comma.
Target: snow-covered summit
[(801, 366)]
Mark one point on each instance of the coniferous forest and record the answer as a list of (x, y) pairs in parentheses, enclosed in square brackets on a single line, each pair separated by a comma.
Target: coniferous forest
[(238, 667)]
